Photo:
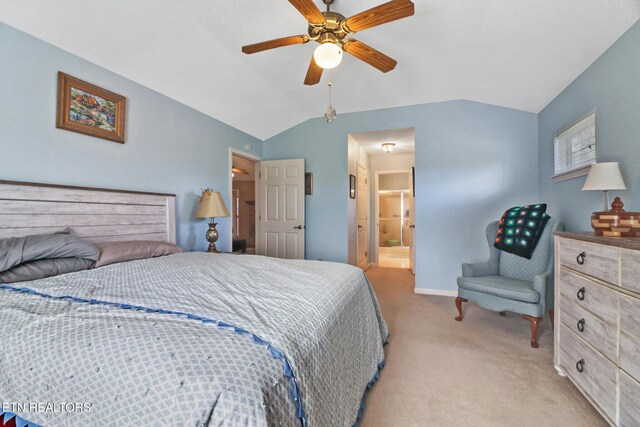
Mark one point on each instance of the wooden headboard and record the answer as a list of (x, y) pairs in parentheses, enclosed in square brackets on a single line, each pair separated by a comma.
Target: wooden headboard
[(97, 214)]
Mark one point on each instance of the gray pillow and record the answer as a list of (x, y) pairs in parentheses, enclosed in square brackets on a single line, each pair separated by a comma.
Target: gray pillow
[(17, 250), (113, 252), (42, 268)]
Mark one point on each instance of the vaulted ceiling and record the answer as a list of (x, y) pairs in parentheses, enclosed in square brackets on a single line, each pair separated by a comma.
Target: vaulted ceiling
[(513, 53)]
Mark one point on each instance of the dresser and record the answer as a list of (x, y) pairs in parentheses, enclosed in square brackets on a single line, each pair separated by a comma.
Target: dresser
[(597, 321)]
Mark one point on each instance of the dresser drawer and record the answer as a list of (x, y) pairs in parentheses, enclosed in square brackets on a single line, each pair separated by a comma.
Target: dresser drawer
[(600, 335), (597, 299), (599, 261), (630, 335), (598, 376), (630, 261), (629, 398)]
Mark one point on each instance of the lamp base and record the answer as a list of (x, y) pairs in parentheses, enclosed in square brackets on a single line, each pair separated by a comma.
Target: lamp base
[(212, 236), (616, 222)]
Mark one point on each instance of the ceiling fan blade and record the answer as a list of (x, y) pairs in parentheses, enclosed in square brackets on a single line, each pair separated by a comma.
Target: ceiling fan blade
[(272, 44), (387, 12), (309, 10), (314, 73), (369, 55)]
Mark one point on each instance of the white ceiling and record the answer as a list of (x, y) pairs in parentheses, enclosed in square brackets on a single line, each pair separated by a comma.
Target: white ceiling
[(513, 53), (371, 142)]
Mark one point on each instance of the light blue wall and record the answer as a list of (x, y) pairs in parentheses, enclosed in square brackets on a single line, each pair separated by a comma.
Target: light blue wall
[(170, 147), (611, 86), (472, 161)]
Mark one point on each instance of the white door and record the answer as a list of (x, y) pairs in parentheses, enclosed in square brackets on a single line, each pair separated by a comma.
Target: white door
[(363, 218), (412, 227), (281, 215)]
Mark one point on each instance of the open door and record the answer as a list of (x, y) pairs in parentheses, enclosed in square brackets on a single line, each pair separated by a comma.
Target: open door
[(281, 215), (363, 218)]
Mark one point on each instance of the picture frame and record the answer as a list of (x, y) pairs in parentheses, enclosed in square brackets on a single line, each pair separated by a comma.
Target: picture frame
[(413, 181), (352, 186), (90, 110), (308, 184)]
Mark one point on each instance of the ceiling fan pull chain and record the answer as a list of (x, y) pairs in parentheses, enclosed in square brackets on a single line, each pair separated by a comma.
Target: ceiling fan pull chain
[(330, 114)]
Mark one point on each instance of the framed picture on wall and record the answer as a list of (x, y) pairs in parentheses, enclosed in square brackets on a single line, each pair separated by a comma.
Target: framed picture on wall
[(352, 186), (413, 180), (90, 110), (308, 184)]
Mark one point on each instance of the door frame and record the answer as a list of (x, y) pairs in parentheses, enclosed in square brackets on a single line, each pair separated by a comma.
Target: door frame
[(376, 207), (257, 160), (368, 213)]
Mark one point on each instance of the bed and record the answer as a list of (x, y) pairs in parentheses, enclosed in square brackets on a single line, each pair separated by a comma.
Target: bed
[(186, 339)]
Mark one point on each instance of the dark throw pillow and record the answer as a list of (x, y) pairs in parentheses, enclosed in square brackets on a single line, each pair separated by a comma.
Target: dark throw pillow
[(18, 250), (43, 268), (520, 229)]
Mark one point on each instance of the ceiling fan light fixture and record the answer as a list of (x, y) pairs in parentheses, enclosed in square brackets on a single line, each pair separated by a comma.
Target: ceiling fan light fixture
[(388, 147), (328, 55)]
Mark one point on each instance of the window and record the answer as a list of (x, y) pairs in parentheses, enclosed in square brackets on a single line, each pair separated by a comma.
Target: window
[(575, 148)]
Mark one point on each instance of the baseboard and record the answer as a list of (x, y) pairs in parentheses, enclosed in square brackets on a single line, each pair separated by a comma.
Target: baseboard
[(438, 292)]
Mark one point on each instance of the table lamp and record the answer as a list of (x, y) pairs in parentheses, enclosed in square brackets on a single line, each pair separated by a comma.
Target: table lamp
[(211, 205), (604, 177), (613, 221)]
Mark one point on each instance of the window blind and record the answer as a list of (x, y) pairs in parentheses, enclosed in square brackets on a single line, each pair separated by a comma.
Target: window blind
[(575, 147)]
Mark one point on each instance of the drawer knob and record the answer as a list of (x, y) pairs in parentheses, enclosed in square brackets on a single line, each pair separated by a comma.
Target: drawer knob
[(580, 258), (580, 294), (580, 365), (580, 325)]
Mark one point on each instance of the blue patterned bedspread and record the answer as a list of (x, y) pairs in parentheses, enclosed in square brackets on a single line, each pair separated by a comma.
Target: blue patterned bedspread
[(192, 339)]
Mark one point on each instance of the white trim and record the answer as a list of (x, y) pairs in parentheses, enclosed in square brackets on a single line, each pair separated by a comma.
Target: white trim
[(437, 292), (368, 214), (257, 159), (574, 173)]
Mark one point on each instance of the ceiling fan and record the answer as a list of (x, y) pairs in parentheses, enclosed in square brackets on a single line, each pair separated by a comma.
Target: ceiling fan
[(330, 29)]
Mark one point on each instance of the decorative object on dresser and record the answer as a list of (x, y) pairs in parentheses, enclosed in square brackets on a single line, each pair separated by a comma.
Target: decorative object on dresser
[(90, 110), (597, 341), (507, 282), (615, 222), (211, 205)]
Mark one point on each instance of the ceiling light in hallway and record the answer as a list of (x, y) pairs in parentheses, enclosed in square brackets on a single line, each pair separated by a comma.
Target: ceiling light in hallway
[(388, 147)]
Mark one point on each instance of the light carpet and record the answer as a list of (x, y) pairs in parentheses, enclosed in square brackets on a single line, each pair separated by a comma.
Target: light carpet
[(478, 372)]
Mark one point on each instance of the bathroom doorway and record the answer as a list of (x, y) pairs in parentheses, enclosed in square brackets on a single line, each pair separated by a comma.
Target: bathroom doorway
[(243, 204), (395, 207)]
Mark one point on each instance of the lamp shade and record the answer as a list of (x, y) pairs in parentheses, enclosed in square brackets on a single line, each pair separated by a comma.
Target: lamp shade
[(604, 176), (328, 55), (211, 205)]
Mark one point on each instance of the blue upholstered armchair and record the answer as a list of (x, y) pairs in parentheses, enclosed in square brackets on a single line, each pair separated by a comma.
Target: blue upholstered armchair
[(508, 282)]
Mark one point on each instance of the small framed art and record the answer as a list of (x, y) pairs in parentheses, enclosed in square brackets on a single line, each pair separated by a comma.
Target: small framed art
[(352, 186), (308, 183)]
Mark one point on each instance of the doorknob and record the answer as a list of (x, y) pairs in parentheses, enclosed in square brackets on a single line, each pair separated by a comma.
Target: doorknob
[(359, 227), (298, 227), (412, 226)]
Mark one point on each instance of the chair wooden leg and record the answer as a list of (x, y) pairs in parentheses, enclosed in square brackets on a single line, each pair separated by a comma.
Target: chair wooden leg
[(459, 302), (535, 325), (553, 324)]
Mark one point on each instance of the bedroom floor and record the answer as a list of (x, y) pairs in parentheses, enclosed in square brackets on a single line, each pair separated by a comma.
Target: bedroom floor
[(478, 372)]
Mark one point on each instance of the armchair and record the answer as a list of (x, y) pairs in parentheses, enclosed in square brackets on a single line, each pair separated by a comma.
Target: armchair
[(507, 282)]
